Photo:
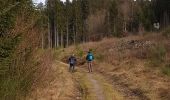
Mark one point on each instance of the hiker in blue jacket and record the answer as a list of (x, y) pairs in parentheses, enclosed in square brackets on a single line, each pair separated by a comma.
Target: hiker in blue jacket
[(90, 59), (72, 63)]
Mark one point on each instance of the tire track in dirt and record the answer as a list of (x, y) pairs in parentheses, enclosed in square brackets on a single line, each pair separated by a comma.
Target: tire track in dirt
[(117, 85), (123, 87), (130, 94), (96, 87)]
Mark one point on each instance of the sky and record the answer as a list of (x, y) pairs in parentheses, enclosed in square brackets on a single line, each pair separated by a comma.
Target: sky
[(43, 1), (38, 1)]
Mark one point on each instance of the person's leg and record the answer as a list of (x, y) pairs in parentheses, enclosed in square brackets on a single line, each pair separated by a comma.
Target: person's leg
[(73, 68), (70, 68), (89, 66)]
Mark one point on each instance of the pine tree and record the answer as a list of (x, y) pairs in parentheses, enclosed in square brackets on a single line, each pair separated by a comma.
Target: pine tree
[(85, 14), (68, 14), (62, 23), (161, 9), (113, 12)]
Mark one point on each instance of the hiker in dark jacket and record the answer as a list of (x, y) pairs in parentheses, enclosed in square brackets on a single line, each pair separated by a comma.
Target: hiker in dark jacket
[(89, 59), (72, 63)]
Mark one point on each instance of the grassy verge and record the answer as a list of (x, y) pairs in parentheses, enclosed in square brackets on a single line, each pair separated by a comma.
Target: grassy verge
[(157, 55), (109, 92), (84, 86), (166, 70)]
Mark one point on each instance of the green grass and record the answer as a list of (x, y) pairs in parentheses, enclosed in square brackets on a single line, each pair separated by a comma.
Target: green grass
[(166, 33), (99, 57), (109, 92), (166, 70), (157, 55), (79, 51), (84, 86)]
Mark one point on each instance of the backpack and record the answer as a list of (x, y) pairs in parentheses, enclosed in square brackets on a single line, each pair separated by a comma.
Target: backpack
[(90, 57), (72, 61)]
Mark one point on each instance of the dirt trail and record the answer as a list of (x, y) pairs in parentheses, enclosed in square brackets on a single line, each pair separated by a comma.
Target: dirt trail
[(80, 85), (94, 86), (97, 89), (94, 89)]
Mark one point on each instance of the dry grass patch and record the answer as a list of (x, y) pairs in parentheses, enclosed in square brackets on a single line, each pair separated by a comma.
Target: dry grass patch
[(59, 85), (84, 86)]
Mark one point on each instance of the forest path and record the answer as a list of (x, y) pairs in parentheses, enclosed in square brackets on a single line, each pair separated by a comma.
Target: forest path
[(79, 85), (93, 86), (96, 88)]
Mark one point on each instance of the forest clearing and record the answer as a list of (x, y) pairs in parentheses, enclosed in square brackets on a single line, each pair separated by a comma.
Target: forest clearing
[(84, 50)]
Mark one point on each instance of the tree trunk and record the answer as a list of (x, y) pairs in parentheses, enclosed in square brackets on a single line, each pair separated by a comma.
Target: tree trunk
[(75, 29), (49, 34), (108, 23), (55, 34), (57, 39), (74, 35), (84, 32), (114, 26), (61, 38), (42, 41), (67, 34), (166, 19), (51, 39)]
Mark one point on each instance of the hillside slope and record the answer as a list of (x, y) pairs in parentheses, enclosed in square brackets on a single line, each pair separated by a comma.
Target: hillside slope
[(58, 84), (138, 67)]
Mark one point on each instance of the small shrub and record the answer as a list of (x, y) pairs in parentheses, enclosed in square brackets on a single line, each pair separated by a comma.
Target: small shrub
[(166, 33), (99, 57), (79, 51), (94, 50), (157, 55), (166, 70), (58, 53), (8, 81)]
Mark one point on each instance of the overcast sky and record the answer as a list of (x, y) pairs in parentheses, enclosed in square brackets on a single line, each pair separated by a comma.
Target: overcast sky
[(38, 1), (43, 1)]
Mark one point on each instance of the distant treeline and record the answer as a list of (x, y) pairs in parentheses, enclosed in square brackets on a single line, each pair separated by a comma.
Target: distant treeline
[(77, 21), (88, 20)]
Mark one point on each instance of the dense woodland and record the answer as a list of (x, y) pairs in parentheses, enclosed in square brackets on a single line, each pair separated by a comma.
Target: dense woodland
[(87, 20), (25, 27)]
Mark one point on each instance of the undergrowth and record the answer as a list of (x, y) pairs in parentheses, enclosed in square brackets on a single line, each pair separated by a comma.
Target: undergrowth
[(166, 70), (79, 51), (166, 33), (157, 55), (18, 69), (8, 82)]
